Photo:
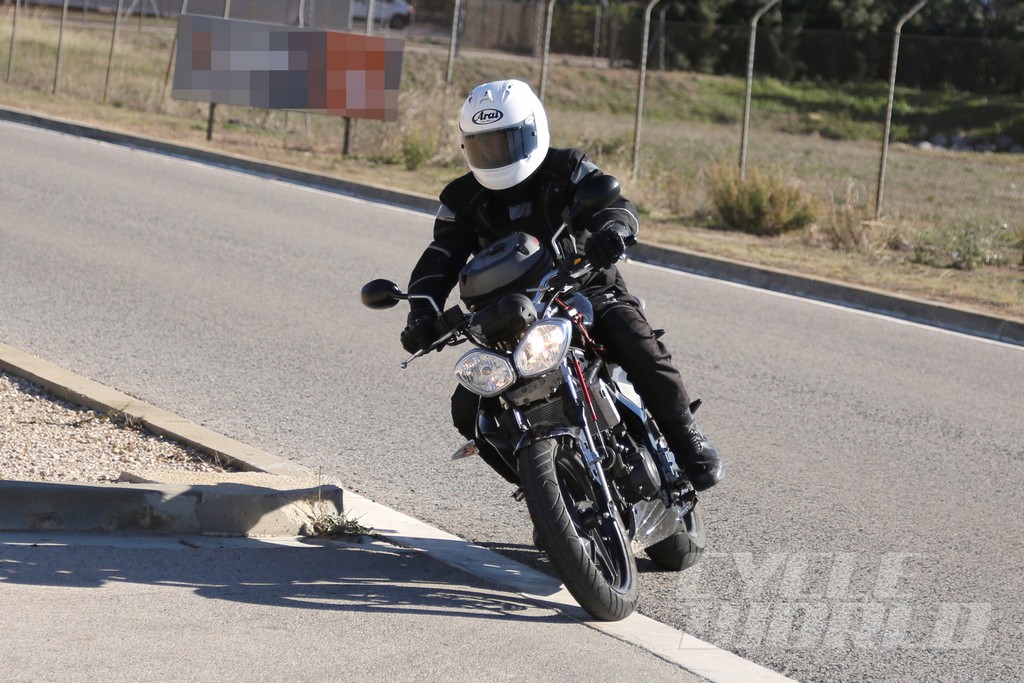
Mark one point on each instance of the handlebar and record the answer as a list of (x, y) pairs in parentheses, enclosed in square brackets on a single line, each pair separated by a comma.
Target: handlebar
[(552, 281), (455, 319)]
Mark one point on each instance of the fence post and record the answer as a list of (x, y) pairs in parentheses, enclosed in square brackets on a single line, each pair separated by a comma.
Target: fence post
[(370, 18), (613, 40), (538, 26), (453, 42), (346, 141), (640, 88), (750, 82), (888, 107), (599, 9), (213, 105), (174, 49), (60, 45), (547, 49), (302, 24), (661, 37), (14, 38), (113, 43)]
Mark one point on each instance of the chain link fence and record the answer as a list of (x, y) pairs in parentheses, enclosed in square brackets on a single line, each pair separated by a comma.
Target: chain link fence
[(964, 170)]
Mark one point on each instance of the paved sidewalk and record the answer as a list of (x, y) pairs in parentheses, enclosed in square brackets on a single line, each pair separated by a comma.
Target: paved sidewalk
[(109, 608)]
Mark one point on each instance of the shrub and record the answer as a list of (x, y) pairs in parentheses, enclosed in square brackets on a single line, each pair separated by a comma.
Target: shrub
[(845, 225), (968, 246), (762, 204), (1016, 241), (415, 152)]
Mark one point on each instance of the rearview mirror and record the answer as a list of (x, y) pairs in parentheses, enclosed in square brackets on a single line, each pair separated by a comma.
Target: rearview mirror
[(380, 294)]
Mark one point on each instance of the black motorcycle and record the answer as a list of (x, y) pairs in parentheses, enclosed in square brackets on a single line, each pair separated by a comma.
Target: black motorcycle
[(598, 478)]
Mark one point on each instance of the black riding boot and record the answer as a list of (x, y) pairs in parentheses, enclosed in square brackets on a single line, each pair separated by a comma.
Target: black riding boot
[(695, 454)]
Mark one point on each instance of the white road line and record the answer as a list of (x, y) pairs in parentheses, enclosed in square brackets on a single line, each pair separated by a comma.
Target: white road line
[(673, 645), (817, 302)]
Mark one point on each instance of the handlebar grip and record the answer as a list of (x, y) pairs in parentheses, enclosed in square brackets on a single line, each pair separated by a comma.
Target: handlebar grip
[(448, 321), (439, 329)]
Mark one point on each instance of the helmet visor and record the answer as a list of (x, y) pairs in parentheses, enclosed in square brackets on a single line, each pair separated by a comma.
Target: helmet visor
[(498, 148)]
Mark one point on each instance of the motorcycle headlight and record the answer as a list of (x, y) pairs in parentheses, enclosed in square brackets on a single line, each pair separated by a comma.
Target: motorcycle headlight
[(485, 373), (543, 347)]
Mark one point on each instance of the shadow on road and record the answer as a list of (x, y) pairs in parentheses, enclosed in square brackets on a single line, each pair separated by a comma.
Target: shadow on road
[(320, 575)]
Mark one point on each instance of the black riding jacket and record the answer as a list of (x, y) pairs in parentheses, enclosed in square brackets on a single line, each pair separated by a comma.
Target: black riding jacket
[(471, 217)]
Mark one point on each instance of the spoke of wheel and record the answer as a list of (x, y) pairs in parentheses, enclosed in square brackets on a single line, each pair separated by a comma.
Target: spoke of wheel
[(574, 492), (606, 561), (588, 544), (592, 551)]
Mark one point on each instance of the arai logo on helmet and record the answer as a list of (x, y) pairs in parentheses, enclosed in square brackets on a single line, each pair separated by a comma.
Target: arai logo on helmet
[(485, 116)]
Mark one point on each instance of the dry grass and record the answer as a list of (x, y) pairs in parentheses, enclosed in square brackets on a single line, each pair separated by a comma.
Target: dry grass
[(762, 204), (934, 201)]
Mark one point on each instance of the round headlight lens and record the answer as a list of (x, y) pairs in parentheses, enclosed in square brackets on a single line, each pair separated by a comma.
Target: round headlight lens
[(543, 347), (485, 373)]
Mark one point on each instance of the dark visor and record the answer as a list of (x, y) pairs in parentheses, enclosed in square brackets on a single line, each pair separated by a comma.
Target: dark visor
[(498, 148)]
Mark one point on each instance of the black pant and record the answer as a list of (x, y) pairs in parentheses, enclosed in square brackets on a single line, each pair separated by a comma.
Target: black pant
[(622, 328)]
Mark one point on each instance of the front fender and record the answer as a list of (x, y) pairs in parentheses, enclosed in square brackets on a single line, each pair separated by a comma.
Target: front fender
[(534, 435)]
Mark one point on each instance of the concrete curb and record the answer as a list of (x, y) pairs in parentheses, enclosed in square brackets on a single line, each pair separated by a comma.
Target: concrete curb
[(863, 299), (904, 308), (219, 510), (246, 504)]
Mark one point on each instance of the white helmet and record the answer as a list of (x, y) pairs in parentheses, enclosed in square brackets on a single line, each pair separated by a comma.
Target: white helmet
[(504, 133)]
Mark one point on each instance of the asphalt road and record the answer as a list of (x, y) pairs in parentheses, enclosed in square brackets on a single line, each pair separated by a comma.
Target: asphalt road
[(869, 527)]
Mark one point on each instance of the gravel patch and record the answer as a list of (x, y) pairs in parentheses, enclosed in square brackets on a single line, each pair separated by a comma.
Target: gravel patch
[(44, 438)]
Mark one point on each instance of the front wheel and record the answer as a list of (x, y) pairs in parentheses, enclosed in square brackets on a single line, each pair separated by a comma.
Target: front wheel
[(588, 549)]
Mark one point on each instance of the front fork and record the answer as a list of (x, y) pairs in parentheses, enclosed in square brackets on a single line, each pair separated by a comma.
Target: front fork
[(592, 444)]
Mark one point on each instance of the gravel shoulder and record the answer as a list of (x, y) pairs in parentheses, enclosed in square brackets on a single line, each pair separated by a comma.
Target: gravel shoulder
[(45, 438)]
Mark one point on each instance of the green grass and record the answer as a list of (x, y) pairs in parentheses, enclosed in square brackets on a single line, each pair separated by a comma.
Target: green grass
[(855, 112)]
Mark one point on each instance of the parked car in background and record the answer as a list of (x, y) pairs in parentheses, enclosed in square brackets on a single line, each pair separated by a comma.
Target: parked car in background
[(394, 13)]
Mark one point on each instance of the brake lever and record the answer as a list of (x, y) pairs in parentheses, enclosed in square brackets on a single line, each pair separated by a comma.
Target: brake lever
[(436, 346), (628, 241), (405, 363)]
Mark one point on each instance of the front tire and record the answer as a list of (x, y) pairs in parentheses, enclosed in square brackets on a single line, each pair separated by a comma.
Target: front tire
[(590, 553)]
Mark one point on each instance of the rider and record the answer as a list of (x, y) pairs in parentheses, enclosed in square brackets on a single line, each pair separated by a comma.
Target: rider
[(519, 183)]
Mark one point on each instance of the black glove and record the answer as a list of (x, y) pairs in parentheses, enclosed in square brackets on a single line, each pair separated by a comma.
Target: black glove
[(418, 335), (605, 246)]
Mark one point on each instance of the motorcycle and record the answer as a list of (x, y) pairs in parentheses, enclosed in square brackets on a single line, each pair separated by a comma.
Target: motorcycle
[(599, 481)]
